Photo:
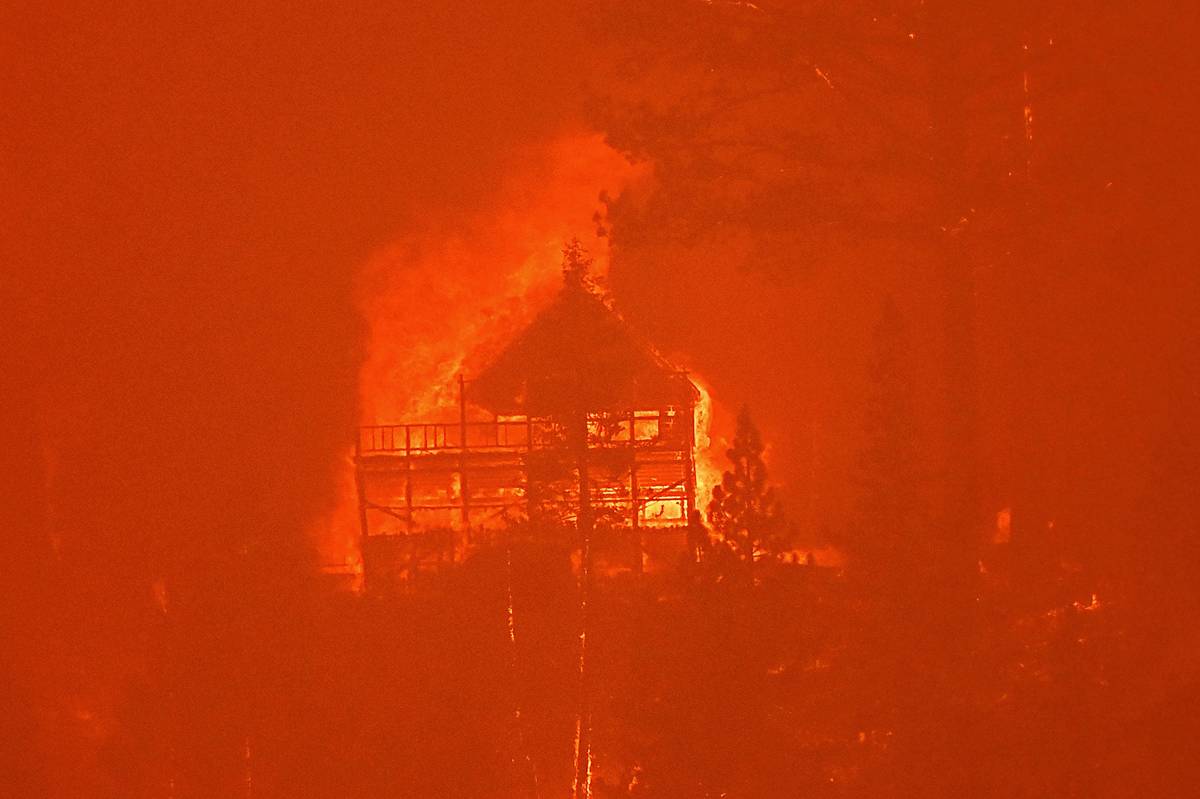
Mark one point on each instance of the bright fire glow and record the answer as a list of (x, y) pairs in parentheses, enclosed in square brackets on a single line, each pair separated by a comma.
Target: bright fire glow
[(435, 303), (708, 472)]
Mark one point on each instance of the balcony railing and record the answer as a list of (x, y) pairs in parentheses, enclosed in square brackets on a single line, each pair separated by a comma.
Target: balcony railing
[(667, 430)]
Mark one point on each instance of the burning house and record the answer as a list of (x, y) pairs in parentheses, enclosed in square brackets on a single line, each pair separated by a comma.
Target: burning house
[(577, 422)]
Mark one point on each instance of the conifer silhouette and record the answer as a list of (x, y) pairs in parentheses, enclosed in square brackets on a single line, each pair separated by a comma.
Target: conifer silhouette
[(889, 512), (744, 511)]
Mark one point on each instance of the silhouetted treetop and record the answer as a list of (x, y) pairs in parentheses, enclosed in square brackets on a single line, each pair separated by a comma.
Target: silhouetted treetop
[(744, 511), (889, 513)]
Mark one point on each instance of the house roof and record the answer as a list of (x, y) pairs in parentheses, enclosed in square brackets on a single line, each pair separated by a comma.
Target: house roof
[(578, 355)]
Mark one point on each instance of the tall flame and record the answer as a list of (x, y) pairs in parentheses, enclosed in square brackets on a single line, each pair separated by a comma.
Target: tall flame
[(708, 471), (434, 302)]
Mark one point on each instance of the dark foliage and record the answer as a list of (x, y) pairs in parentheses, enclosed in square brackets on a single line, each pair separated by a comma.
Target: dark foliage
[(744, 512)]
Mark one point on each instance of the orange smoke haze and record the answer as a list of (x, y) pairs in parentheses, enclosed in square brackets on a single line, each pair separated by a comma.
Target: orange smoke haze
[(944, 253)]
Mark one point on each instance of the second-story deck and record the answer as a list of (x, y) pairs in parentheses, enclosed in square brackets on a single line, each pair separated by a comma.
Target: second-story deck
[(478, 474)]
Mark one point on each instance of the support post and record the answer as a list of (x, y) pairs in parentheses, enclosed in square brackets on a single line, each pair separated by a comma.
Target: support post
[(690, 463), (583, 723), (529, 494), (462, 455), (360, 486), (408, 487), (635, 507)]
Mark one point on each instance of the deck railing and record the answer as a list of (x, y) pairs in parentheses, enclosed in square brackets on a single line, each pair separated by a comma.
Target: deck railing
[(637, 428)]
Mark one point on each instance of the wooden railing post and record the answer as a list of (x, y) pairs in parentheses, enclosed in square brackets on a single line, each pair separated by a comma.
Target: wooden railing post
[(408, 487), (360, 486), (462, 455)]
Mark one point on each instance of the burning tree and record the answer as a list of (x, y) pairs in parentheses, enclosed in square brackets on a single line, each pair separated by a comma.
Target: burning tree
[(744, 511)]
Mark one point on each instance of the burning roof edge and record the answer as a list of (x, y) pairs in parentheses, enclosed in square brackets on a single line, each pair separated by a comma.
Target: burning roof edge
[(579, 354)]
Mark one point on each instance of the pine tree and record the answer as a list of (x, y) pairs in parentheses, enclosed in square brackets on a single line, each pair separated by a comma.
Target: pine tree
[(744, 512), (888, 504)]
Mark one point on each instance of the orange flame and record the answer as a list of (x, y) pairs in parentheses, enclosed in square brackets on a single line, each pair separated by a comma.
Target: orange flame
[(435, 302), (708, 470)]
